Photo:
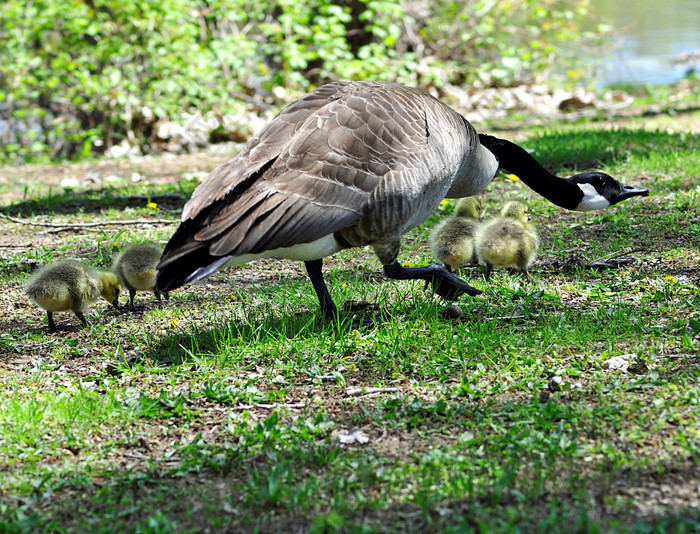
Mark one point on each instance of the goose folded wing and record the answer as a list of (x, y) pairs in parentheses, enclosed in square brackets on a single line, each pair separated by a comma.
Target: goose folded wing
[(309, 173), (259, 153)]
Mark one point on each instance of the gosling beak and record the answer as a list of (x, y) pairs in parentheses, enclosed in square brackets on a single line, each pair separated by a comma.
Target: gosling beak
[(629, 191), (115, 303)]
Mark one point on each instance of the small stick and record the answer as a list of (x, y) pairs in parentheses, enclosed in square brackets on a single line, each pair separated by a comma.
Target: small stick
[(360, 392), (86, 225), (269, 406)]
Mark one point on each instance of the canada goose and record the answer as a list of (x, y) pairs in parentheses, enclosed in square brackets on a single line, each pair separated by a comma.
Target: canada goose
[(507, 241), (452, 240), (353, 164), (69, 285), (136, 268)]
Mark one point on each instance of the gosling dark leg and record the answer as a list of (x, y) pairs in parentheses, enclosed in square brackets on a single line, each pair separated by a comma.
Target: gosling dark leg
[(489, 268), (444, 283), (82, 318), (328, 308), (157, 294), (52, 325), (132, 294)]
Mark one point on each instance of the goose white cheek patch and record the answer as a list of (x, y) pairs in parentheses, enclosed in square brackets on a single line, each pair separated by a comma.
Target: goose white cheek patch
[(592, 199)]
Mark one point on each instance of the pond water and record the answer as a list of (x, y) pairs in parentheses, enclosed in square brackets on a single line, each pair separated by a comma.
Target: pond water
[(656, 41)]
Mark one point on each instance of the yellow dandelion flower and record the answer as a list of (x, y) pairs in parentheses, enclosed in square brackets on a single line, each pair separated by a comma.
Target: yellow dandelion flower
[(152, 205), (670, 279), (34, 199), (115, 244), (174, 323), (444, 202), (513, 177)]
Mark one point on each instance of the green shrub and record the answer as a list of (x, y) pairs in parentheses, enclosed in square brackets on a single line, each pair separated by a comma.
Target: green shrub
[(78, 76)]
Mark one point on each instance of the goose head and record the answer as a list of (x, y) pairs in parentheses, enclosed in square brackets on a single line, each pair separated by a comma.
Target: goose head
[(468, 207), (110, 288), (587, 191), (600, 190), (515, 210)]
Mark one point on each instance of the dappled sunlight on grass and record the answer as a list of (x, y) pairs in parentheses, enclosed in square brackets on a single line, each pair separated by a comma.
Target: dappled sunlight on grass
[(569, 403)]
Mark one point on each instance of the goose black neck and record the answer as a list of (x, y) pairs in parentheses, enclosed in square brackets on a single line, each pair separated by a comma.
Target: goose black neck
[(518, 161)]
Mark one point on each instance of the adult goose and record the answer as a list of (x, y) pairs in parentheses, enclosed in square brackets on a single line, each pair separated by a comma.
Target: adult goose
[(353, 164)]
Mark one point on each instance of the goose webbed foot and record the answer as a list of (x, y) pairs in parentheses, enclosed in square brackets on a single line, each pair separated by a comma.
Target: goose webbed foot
[(444, 283)]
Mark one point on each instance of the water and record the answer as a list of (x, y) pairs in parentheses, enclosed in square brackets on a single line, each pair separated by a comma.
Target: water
[(651, 37)]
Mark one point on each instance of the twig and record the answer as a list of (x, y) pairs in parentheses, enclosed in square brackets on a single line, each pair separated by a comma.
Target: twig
[(517, 317), (620, 254), (139, 456), (360, 392), (154, 198), (269, 406), (70, 226)]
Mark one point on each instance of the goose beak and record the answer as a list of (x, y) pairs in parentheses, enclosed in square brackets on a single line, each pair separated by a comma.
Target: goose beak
[(629, 191), (115, 303)]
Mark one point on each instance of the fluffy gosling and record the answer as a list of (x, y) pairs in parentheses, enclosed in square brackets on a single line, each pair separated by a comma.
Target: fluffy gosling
[(452, 240), (136, 268), (507, 241), (69, 285)]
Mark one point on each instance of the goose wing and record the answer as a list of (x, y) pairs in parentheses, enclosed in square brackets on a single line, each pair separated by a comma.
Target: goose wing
[(309, 173)]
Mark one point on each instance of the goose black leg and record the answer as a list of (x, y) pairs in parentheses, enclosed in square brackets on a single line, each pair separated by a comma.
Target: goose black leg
[(82, 318), (328, 308), (52, 325), (444, 283), (158, 295)]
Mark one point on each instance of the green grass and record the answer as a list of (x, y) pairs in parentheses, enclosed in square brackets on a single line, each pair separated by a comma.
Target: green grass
[(235, 408)]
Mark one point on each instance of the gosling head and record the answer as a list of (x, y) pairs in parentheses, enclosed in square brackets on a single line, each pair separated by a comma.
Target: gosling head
[(468, 207), (515, 209), (601, 190), (110, 287)]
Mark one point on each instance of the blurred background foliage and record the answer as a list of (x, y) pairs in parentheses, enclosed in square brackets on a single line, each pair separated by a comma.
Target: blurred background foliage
[(79, 76)]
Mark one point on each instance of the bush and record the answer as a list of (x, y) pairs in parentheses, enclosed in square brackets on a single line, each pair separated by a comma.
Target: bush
[(78, 76)]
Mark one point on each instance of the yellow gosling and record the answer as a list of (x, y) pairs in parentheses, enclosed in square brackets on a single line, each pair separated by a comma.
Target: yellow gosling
[(136, 268), (452, 240), (508, 240), (69, 285)]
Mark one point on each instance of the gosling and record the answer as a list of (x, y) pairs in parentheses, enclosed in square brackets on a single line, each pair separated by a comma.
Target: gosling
[(69, 285), (507, 241), (452, 241), (136, 268)]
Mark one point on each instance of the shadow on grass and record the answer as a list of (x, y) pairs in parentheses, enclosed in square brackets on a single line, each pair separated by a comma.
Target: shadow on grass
[(179, 348), (97, 200)]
